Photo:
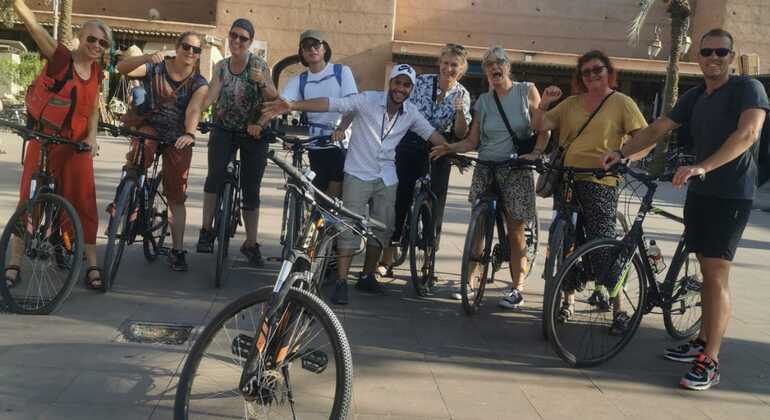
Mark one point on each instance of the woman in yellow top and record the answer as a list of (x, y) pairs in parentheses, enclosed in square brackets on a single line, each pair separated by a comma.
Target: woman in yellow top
[(594, 81)]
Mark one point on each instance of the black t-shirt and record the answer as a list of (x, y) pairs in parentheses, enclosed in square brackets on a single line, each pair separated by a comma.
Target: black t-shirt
[(714, 118)]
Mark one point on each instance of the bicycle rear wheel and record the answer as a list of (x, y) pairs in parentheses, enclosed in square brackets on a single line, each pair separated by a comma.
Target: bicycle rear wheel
[(222, 228), (422, 247), (44, 238), (401, 250), (587, 337), (118, 231), (155, 217), (553, 261), (532, 237), (683, 286), (476, 258), (309, 343)]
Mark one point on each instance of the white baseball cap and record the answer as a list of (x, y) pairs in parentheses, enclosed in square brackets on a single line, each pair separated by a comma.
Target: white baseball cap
[(405, 69)]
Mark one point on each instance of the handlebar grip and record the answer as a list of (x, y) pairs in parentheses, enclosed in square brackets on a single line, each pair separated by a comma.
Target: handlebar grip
[(376, 224)]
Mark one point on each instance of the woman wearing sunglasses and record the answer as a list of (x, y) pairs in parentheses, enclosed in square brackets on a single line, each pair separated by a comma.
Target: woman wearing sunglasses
[(175, 95), (239, 86), (616, 118), (81, 71)]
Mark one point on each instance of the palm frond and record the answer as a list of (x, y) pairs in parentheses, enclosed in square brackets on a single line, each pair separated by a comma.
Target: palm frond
[(637, 24)]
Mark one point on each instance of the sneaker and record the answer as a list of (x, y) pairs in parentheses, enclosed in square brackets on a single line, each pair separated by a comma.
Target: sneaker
[(703, 375), (340, 295), (458, 296), (205, 242), (686, 352), (512, 300), (368, 283), (177, 260), (599, 299), (253, 254), (385, 270), (620, 323)]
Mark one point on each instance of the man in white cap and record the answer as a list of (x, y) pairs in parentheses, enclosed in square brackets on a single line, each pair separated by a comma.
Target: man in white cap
[(380, 122)]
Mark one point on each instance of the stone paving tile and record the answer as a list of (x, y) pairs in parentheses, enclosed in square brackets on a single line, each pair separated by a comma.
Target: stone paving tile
[(96, 412)]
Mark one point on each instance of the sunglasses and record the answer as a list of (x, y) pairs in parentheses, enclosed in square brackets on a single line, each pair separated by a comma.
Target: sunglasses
[(721, 52), (102, 42), (312, 44), (241, 38), (188, 47), (595, 71)]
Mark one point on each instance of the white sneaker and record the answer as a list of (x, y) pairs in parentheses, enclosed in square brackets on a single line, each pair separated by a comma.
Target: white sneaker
[(512, 300)]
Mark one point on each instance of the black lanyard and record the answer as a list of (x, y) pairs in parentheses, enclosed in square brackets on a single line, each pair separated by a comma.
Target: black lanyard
[(383, 134)]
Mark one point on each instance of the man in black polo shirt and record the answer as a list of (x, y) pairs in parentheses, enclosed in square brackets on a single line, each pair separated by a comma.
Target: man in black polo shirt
[(726, 117)]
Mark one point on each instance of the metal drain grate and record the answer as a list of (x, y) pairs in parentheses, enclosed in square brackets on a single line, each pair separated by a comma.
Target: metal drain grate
[(154, 333)]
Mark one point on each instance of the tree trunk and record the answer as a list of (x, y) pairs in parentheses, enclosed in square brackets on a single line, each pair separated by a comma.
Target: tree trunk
[(680, 22), (64, 34)]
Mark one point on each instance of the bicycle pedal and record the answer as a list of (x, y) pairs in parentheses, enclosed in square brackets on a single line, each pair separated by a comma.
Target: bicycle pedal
[(316, 361), (242, 345)]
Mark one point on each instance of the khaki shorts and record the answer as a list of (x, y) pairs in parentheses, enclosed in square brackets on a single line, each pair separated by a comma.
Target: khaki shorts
[(356, 195)]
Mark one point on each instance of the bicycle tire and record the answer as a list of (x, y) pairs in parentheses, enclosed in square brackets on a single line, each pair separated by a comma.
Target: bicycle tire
[(683, 293), (186, 400), (66, 251), (155, 219), (221, 223), (560, 334), (118, 229), (552, 264), (422, 248), (401, 250), (532, 237), (479, 225)]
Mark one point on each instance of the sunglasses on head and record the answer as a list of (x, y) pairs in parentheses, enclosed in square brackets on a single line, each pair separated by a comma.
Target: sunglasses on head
[(311, 44), (721, 52), (236, 37), (102, 42), (188, 47), (594, 70), (456, 47)]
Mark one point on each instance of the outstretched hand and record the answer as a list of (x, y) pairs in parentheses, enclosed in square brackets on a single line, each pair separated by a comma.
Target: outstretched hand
[(440, 150), (276, 108)]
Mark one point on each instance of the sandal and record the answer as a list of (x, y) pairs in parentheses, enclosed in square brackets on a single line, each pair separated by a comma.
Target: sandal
[(11, 282), (94, 283), (566, 312)]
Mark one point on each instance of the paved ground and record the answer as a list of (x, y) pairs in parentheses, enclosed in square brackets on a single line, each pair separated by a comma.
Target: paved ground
[(413, 358)]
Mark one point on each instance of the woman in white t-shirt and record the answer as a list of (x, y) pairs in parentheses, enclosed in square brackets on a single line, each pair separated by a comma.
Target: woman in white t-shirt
[(323, 79)]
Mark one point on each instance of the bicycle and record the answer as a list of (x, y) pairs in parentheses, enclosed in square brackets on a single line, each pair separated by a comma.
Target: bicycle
[(275, 342), (293, 211), (418, 236), (139, 207), (228, 216), (565, 232), (43, 239), (630, 278), (486, 214)]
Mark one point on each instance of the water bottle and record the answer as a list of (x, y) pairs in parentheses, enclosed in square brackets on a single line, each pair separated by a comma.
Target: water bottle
[(656, 257)]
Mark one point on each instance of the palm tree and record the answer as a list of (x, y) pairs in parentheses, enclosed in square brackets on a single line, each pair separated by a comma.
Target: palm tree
[(64, 34), (680, 11)]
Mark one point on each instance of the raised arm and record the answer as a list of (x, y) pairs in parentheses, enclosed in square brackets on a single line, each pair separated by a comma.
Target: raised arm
[(135, 66), (540, 121), (42, 38), (215, 85)]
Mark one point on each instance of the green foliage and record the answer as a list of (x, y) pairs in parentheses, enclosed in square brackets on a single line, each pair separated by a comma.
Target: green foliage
[(22, 73), (6, 13)]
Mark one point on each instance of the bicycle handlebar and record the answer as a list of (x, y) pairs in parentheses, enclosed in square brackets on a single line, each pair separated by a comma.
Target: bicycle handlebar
[(27, 133), (537, 164), (328, 201), (273, 135), (116, 131)]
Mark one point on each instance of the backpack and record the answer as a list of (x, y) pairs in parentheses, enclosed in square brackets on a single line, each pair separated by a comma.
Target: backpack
[(51, 101), (337, 69), (762, 147)]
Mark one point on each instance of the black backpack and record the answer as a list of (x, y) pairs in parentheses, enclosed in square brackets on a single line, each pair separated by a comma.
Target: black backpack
[(684, 138)]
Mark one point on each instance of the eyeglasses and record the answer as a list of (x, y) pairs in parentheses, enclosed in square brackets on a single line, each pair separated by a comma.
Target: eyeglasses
[(102, 42), (311, 44), (594, 70), (721, 52), (241, 38), (188, 47)]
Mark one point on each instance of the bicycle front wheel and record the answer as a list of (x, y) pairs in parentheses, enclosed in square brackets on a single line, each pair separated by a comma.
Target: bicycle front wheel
[(532, 238), (44, 238), (422, 247), (118, 230), (590, 334), (155, 218), (223, 220), (312, 380), (476, 258), (684, 282), (553, 261)]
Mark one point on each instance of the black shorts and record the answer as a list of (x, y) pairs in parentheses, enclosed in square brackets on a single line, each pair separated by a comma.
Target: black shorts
[(328, 165), (713, 225)]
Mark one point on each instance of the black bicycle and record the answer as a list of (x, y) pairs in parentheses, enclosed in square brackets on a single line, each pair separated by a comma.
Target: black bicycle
[(278, 352), (139, 208), (294, 210), (481, 253), (43, 239), (420, 233), (624, 268)]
